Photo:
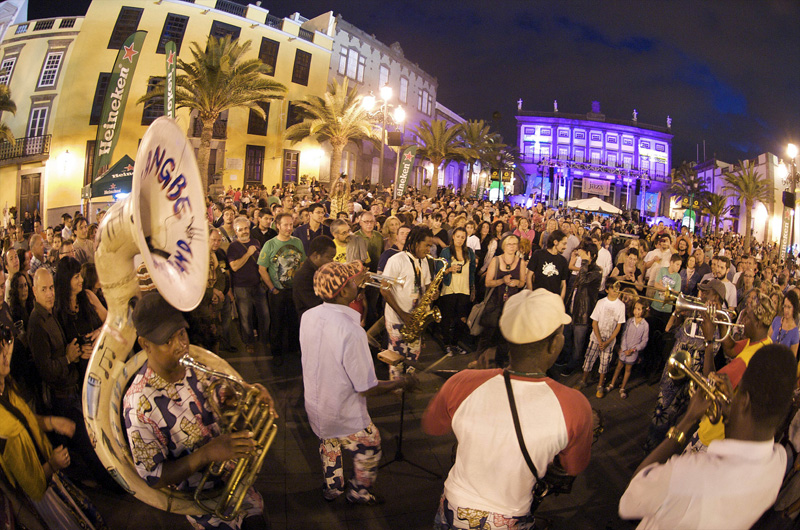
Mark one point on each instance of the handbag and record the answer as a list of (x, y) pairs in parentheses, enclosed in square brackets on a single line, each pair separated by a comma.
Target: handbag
[(556, 480), (475, 314)]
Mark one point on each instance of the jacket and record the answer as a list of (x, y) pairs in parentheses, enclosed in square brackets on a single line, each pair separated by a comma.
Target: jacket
[(584, 294), (473, 263)]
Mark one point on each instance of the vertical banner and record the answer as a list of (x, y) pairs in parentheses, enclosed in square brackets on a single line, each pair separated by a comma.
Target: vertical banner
[(404, 165), (116, 97), (786, 230), (169, 85)]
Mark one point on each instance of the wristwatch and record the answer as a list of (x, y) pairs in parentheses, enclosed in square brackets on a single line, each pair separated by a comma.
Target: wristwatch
[(674, 434)]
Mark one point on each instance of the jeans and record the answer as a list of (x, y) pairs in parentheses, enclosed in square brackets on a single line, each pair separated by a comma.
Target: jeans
[(285, 324), (225, 315), (579, 334), (250, 300)]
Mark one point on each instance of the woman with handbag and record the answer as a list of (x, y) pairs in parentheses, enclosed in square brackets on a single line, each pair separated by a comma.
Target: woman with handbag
[(582, 300), (505, 277), (458, 289), (41, 495)]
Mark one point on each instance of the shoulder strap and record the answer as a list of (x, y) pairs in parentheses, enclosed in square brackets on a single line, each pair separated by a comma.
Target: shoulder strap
[(517, 427)]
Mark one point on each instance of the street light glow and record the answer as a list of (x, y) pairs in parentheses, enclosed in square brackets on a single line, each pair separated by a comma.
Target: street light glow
[(368, 102), (386, 92), (399, 115), (791, 150), (782, 171)]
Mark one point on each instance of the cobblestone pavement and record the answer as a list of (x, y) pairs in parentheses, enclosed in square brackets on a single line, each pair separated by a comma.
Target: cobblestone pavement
[(291, 479)]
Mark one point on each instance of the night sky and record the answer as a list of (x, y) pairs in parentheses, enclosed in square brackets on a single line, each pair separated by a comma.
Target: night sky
[(727, 72)]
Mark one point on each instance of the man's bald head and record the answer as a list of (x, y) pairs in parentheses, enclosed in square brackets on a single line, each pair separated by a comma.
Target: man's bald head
[(43, 289)]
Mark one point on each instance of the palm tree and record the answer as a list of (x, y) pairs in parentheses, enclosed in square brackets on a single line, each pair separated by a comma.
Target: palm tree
[(6, 105), (220, 78), (717, 206), (338, 117), (475, 135), (687, 185), (439, 142), (749, 186)]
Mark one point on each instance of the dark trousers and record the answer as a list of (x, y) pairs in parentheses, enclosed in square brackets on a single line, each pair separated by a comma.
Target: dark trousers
[(250, 302), (454, 307), (653, 358), (284, 332)]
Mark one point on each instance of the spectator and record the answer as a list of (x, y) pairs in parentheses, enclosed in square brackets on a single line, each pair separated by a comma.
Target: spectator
[(458, 289), (314, 228), (37, 253), (92, 282), (226, 229), (20, 300), (249, 293), (264, 231), (321, 251), (66, 232), (223, 293), (84, 247)]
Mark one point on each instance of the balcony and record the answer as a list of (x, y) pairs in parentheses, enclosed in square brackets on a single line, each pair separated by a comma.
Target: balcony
[(274, 22), (30, 149), (220, 129), (231, 7), (306, 35)]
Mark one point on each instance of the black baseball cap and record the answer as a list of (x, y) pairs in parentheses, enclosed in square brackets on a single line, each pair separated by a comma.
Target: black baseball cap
[(156, 320)]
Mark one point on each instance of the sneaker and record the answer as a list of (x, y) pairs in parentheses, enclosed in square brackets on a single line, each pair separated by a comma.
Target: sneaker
[(365, 499), (449, 351), (461, 351), (623, 393), (331, 494), (600, 392), (580, 385)]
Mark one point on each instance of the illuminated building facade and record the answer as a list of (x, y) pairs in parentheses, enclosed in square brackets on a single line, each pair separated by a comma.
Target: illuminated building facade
[(586, 155), (57, 70)]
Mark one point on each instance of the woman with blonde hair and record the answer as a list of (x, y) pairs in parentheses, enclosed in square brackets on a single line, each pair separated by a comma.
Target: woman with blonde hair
[(389, 231)]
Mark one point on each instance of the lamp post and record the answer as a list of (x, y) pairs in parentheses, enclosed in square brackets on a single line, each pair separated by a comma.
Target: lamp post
[(791, 152), (398, 116)]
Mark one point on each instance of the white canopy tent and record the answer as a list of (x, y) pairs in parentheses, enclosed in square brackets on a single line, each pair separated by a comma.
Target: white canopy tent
[(594, 204)]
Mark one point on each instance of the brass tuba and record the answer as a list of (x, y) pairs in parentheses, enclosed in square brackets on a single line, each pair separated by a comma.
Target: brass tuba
[(163, 220), (424, 314)]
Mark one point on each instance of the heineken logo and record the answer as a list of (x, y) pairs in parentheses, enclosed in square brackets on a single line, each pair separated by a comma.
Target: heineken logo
[(110, 125), (130, 52), (129, 167), (171, 58)]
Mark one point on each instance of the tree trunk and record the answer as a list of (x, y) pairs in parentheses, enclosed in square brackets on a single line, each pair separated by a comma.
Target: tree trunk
[(468, 185), (336, 160), (434, 186), (204, 153), (747, 220)]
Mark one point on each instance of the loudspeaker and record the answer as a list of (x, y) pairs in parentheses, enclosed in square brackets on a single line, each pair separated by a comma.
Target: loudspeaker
[(394, 139), (552, 172), (788, 199), (638, 186)]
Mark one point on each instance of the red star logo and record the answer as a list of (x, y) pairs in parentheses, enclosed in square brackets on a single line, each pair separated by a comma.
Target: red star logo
[(129, 167), (408, 156), (171, 58), (129, 53)]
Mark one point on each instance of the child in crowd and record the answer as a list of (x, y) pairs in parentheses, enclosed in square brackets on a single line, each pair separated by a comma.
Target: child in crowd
[(607, 319), (634, 339)]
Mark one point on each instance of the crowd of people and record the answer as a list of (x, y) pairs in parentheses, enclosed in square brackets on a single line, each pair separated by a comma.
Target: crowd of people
[(532, 295)]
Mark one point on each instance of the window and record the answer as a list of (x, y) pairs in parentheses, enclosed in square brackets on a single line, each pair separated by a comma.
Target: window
[(221, 30), (612, 160), (293, 115), (352, 64), (302, 67), (362, 63), (546, 131), (253, 163), (50, 69), (595, 157), (342, 62), (6, 69), (174, 28), (88, 166), (38, 122), (99, 98), (154, 108), (384, 77), (127, 23), (424, 102), (644, 145), (255, 123), (269, 53), (403, 89), (611, 139), (580, 135)]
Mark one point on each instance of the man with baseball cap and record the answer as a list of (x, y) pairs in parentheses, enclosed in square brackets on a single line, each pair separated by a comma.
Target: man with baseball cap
[(171, 429), (490, 477), (338, 375)]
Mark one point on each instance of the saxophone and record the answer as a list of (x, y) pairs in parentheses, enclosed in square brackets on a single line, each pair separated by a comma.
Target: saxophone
[(424, 314)]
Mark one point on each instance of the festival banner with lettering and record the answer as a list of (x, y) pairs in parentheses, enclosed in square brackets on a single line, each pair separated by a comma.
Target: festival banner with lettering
[(169, 84), (116, 97), (404, 166), (597, 187), (786, 229)]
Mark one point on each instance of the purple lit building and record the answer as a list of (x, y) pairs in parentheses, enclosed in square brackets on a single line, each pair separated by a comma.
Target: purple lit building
[(577, 156)]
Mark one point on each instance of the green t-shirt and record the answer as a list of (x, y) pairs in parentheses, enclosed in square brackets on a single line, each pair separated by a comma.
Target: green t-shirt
[(282, 259), (671, 280), (374, 248)]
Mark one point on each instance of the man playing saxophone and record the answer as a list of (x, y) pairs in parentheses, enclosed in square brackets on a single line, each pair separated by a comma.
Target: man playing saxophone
[(412, 263), (172, 431)]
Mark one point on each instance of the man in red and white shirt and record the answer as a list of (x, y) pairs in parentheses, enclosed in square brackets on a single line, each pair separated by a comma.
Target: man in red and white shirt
[(490, 484)]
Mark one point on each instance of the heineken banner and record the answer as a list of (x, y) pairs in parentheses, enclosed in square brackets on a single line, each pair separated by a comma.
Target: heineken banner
[(786, 230), (169, 85), (116, 97), (404, 165)]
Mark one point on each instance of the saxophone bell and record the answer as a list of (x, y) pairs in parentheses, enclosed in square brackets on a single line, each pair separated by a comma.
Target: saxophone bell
[(425, 312)]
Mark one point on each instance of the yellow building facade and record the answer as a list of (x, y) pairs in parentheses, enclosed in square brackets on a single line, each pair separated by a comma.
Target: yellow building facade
[(57, 70)]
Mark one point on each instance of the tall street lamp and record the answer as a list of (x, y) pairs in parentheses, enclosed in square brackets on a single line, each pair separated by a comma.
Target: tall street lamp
[(791, 152), (398, 116)]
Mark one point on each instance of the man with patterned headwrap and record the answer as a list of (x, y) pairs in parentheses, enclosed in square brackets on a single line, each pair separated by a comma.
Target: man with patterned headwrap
[(172, 431), (338, 375)]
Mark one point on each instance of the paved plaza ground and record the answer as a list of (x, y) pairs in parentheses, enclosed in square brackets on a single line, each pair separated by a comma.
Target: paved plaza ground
[(291, 479)]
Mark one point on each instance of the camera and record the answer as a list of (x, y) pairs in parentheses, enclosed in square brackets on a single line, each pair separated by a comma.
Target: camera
[(6, 335)]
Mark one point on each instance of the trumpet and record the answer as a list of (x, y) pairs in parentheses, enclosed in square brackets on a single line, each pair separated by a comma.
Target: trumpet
[(373, 279), (678, 367), (250, 413), (696, 305)]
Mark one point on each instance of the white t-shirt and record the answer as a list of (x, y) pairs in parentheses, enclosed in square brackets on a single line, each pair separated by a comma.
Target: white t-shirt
[(400, 266), (664, 256), (605, 263), (474, 242), (608, 314)]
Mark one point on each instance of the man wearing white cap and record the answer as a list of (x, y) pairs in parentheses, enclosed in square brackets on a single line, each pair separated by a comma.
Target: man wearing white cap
[(490, 482)]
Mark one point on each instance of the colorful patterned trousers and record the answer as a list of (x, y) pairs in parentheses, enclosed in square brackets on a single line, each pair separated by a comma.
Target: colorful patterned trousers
[(397, 344), (450, 517), (365, 447), (594, 351)]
